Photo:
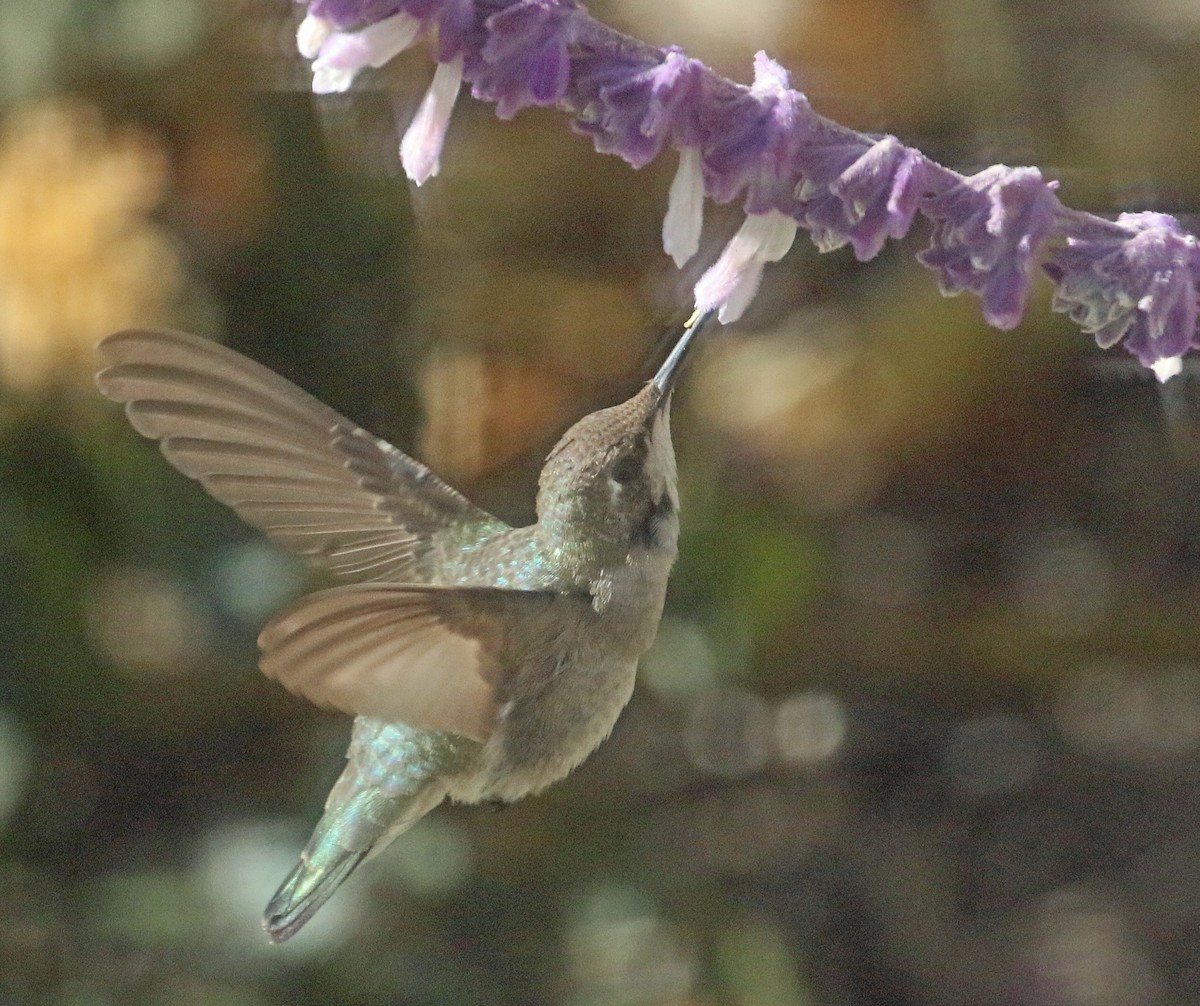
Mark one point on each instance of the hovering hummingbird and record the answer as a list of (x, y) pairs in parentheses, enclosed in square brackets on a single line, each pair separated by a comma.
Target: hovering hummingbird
[(482, 662)]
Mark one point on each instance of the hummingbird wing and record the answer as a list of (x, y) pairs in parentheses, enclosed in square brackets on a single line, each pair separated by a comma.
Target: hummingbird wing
[(291, 466), (430, 657)]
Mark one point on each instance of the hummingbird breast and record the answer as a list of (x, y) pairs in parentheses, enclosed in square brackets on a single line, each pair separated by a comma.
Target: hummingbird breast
[(557, 708), (540, 738)]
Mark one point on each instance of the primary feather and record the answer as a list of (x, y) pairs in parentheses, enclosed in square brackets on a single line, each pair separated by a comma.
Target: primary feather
[(312, 480)]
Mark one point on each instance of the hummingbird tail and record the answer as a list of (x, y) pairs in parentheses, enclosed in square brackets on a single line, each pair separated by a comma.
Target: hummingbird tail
[(310, 884), (345, 835), (354, 827)]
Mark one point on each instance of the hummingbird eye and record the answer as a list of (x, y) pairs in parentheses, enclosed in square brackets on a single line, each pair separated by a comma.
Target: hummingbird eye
[(626, 469)]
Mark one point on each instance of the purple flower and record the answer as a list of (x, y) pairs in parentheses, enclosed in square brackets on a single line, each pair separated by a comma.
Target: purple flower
[(987, 232), (354, 13), (820, 209), (754, 138), (643, 108), (881, 191), (454, 20), (859, 193), (525, 59), (635, 110), (1139, 287)]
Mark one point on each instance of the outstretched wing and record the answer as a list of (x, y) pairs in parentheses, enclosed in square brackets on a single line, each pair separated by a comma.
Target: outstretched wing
[(308, 477), (432, 657)]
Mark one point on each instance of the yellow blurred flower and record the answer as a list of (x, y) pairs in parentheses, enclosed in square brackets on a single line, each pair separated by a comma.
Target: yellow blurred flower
[(79, 255)]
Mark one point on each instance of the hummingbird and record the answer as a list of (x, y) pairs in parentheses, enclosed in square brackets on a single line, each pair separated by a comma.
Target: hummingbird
[(481, 662)]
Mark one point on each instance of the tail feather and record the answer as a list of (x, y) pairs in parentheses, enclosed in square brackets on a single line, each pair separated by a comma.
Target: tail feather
[(305, 890), (350, 831), (343, 838)]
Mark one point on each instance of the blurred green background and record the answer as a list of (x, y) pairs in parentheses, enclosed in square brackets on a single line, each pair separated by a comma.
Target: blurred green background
[(922, 725)]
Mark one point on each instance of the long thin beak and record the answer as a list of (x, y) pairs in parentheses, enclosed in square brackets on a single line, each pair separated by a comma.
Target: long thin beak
[(664, 381)]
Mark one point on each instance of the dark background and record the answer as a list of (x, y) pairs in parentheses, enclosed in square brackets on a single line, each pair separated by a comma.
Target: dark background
[(923, 720)]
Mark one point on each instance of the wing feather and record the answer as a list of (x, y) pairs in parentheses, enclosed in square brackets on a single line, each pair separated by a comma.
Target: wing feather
[(287, 464), (438, 658)]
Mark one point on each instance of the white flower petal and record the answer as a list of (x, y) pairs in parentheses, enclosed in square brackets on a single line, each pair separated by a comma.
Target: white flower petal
[(1167, 368), (329, 80), (311, 35), (741, 295), (684, 218), (388, 38), (351, 51), (773, 232), (721, 278), (731, 281), (421, 148)]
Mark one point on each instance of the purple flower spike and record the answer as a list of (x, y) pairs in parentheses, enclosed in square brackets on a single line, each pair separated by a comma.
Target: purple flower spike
[(754, 141), (1140, 288), (1134, 281), (988, 230), (525, 59)]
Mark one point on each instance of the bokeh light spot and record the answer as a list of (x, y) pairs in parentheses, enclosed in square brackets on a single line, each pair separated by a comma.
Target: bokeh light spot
[(1065, 586), (146, 622), (434, 857), (254, 578), (1147, 716), (728, 732), (79, 254), (681, 662), (810, 728), (621, 951), (1087, 955)]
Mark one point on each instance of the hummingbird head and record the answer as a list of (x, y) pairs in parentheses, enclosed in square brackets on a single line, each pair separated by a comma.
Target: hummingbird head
[(611, 479)]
